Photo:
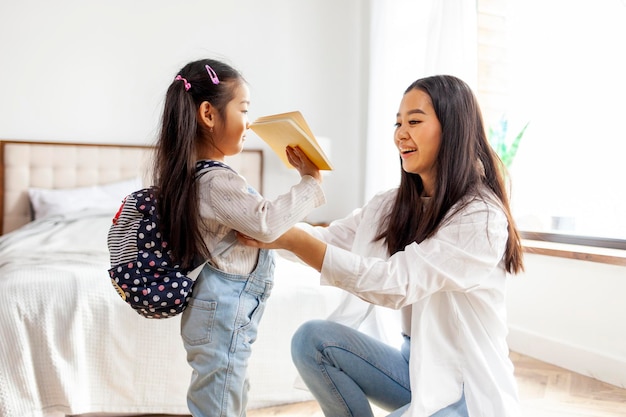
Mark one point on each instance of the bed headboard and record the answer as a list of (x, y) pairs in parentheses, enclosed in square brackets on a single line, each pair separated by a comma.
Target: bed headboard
[(69, 165)]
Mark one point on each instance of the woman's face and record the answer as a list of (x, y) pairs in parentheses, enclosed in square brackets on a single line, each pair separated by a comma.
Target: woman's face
[(418, 137)]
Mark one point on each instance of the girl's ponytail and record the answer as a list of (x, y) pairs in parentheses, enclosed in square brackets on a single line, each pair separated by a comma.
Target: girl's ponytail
[(176, 152)]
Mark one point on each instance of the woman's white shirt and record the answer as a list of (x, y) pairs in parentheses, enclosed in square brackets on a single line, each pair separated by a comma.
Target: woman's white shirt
[(451, 287)]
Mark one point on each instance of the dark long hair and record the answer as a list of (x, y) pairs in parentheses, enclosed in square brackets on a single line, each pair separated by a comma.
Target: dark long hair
[(465, 163), (176, 152)]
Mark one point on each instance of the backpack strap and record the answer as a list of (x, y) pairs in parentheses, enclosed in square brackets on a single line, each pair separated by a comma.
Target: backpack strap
[(223, 246), (194, 273), (206, 165), (202, 167)]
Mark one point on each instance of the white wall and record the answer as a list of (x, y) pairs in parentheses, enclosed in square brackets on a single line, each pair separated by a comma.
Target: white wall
[(571, 313), (97, 71)]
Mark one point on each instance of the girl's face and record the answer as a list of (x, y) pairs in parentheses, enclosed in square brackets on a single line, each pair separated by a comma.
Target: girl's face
[(232, 132), (418, 137)]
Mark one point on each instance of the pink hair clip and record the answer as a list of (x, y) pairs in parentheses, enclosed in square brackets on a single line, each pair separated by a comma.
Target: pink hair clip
[(212, 74), (187, 84)]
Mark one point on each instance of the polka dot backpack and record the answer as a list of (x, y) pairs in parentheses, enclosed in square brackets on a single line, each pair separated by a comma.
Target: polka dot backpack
[(142, 270)]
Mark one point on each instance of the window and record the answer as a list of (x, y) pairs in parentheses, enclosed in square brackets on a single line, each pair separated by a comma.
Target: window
[(560, 66)]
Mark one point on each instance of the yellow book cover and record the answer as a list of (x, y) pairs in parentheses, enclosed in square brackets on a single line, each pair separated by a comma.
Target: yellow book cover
[(290, 129)]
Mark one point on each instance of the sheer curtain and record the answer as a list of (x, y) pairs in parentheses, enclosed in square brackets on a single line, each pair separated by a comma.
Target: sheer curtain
[(410, 39)]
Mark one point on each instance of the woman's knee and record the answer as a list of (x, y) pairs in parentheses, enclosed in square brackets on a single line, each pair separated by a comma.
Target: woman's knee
[(308, 339), (306, 334)]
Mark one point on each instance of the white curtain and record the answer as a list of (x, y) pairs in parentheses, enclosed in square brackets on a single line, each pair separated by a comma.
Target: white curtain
[(411, 39)]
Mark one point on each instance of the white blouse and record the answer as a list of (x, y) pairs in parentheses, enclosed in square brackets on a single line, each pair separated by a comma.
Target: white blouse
[(451, 289), (229, 204)]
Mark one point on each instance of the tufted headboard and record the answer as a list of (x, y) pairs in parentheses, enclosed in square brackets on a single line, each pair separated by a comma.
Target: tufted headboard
[(69, 165)]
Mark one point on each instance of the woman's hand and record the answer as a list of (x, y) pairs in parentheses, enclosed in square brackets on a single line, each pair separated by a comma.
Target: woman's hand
[(306, 247), (249, 241), (302, 163)]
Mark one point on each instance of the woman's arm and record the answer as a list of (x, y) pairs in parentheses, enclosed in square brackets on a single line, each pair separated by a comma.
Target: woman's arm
[(464, 254), (306, 247), (460, 257)]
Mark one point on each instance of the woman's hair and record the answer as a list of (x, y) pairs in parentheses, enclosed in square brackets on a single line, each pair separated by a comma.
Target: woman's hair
[(176, 152), (465, 164)]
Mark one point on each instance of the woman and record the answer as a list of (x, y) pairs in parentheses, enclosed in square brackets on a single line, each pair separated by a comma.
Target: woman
[(439, 248)]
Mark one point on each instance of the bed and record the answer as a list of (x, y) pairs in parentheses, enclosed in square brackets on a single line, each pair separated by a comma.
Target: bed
[(70, 345)]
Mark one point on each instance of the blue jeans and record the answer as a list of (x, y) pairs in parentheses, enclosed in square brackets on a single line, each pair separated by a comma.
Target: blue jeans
[(218, 328), (345, 369)]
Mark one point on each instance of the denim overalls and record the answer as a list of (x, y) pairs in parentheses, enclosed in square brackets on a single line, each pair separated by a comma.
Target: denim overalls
[(218, 328)]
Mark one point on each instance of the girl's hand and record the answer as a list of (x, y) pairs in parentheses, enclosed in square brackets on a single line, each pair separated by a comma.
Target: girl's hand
[(302, 163)]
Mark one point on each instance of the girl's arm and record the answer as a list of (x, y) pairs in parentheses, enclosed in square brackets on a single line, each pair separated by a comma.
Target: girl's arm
[(230, 201)]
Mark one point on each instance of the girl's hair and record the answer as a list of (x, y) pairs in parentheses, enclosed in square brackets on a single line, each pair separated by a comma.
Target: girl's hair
[(176, 152), (465, 164)]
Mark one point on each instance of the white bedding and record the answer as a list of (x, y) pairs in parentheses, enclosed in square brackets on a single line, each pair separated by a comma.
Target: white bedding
[(70, 345)]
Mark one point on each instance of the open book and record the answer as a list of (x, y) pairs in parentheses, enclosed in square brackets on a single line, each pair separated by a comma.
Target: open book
[(290, 129)]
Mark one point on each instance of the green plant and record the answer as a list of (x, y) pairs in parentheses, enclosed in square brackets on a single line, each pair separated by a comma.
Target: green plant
[(499, 140)]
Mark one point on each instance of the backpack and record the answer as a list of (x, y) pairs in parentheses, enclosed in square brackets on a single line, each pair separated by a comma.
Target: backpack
[(142, 270)]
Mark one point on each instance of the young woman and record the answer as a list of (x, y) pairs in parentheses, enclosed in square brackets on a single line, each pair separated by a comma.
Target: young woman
[(205, 120), (439, 248)]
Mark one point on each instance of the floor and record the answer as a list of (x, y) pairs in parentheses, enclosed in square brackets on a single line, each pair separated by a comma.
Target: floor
[(550, 391), (545, 391)]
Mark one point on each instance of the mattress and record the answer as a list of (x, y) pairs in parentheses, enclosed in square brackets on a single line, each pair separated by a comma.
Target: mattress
[(70, 345)]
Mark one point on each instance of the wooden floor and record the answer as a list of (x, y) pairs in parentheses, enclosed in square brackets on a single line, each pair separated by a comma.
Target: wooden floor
[(545, 391), (549, 391)]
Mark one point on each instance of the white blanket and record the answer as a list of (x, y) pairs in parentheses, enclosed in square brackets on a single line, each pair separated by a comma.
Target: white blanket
[(70, 345)]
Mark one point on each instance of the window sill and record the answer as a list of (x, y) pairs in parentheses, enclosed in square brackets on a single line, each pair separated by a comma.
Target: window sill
[(578, 252)]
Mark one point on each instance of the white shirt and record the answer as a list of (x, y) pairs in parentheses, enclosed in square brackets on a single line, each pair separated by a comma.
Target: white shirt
[(451, 288), (228, 204)]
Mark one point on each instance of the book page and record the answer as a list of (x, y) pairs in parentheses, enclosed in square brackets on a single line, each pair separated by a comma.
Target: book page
[(290, 129)]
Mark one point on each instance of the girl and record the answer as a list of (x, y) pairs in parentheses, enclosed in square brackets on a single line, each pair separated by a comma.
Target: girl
[(439, 248), (205, 120)]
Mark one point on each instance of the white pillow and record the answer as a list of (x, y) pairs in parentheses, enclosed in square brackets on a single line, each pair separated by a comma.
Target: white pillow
[(50, 202)]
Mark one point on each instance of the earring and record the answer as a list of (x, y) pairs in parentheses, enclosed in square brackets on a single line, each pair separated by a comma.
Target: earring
[(211, 130)]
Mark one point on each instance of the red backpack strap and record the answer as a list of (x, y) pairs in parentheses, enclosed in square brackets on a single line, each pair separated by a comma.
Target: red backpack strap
[(117, 215)]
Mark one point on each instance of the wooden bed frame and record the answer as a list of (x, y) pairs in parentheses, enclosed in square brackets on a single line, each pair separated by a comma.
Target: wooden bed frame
[(57, 165)]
